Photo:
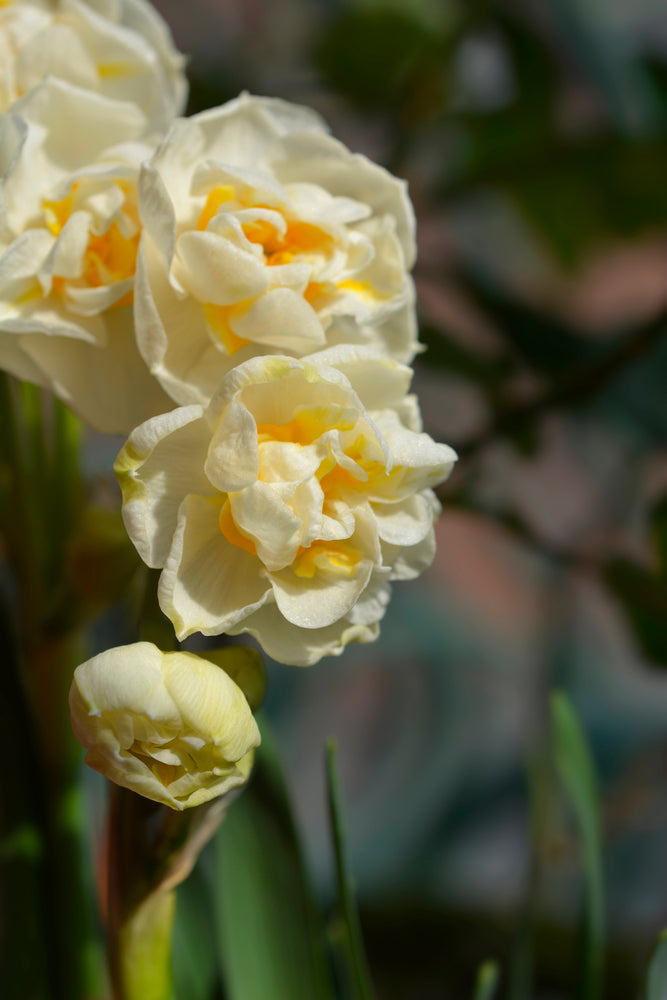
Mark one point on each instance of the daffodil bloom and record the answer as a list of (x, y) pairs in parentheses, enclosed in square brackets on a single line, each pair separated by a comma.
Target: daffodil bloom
[(171, 726), (69, 233), (264, 235), (288, 505), (120, 49)]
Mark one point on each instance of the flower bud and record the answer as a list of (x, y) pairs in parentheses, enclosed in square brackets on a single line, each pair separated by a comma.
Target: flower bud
[(171, 726)]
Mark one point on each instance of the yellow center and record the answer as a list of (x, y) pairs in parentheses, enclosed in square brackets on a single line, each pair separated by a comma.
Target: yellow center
[(331, 557), (299, 239), (110, 257)]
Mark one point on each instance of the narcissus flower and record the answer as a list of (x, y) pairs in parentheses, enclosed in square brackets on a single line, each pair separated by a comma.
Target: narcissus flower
[(121, 49), (171, 726), (262, 234), (69, 231), (287, 507)]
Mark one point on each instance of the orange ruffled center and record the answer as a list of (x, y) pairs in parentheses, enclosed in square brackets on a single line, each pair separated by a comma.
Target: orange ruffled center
[(339, 557), (298, 240), (110, 257)]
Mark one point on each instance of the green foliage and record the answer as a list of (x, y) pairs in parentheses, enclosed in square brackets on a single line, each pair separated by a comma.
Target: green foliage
[(347, 932), (488, 979), (656, 985), (577, 773), (270, 939), (194, 956)]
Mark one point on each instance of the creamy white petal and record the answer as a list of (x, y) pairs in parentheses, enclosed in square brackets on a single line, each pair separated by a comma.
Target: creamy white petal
[(408, 521), (161, 462), (409, 562), (280, 318), (232, 460), (208, 585), (109, 387), (171, 726), (302, 647)]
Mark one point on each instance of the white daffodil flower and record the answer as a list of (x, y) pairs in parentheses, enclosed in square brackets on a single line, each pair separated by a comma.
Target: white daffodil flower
[(120, 49), (264, 235), (288, 505), (171, 726), (69, 231)]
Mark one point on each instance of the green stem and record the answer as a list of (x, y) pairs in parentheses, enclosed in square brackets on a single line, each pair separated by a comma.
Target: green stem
[(150, 850), (141, 911), (356, 958)]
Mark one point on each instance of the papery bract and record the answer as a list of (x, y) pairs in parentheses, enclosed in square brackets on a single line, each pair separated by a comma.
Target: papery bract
[(171, 726), (121, 49), (69, 230), (287, 507), (262, 234)]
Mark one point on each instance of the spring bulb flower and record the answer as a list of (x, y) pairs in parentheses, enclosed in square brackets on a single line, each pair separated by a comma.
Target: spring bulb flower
[(171, 726), (264, 235), (287, 506)]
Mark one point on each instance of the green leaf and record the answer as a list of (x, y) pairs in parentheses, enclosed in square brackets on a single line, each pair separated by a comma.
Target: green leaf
[(656, 984), (271, 942), (486, 985), (577, 774), (349, 930), (193, 947)]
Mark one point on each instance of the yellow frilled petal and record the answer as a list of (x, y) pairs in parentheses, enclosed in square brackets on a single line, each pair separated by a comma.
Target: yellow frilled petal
[(171, 726)]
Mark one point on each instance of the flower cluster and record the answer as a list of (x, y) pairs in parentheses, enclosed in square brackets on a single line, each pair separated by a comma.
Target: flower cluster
[(233, 291)]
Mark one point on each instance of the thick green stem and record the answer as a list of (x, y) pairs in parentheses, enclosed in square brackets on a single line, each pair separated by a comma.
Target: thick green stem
[(150, 850), (140, 906), (144, 967)]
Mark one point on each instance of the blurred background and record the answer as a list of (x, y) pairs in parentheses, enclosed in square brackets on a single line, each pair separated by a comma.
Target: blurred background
[(533, 135)]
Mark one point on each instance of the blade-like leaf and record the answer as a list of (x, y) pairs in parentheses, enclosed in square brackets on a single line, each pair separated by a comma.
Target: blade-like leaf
[(577, 773), (488, 978), (193, 949), (271, 944), (349, 932), (656, 984)]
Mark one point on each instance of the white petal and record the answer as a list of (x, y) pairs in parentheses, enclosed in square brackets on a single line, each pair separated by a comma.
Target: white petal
[(288, 643), (162, 461), (408, 562), (108, 386), (408, 521), (276, 530), (214, 270), (281, 319), (208, 585), (232, 461)]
